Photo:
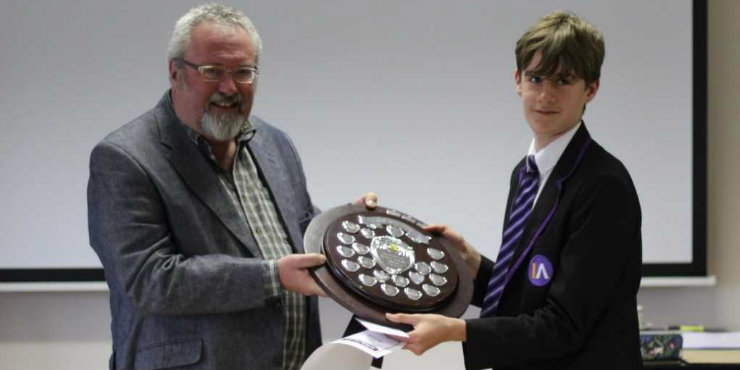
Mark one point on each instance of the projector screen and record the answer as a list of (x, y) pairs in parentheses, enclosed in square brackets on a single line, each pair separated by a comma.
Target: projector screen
[(413, 100)]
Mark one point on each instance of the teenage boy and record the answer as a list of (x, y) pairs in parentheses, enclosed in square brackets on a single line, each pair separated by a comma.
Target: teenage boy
[(562, 292)]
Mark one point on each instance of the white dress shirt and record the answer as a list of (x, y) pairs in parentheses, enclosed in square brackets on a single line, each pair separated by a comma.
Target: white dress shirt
[(548, 157)]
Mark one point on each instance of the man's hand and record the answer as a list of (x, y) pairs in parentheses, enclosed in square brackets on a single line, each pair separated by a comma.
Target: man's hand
[(294, 275), (469, 254), (370, 200), (429, 330)]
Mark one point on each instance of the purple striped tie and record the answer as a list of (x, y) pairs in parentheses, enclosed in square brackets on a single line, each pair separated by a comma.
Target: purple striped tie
[(520, 211)]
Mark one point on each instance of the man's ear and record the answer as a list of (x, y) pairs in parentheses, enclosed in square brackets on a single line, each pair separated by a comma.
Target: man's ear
[(518, 82), (173, 72)]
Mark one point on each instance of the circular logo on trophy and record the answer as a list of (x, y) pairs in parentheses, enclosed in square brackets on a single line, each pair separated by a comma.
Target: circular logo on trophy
[(391, 254)]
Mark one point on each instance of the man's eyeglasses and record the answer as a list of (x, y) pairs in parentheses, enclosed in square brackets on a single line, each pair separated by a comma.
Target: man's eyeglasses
[(242, 75)]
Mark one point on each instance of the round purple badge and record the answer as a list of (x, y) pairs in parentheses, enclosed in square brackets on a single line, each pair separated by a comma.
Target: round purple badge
[(540, 270)]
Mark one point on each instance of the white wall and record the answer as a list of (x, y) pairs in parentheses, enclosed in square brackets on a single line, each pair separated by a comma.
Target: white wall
[(70, 330), (417, 91), (717, 306)]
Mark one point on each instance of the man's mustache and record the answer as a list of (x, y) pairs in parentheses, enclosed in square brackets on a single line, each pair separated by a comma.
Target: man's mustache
[(221, 99)]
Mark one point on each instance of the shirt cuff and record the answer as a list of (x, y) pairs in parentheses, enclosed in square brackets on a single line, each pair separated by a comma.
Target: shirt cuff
[(271, 278)]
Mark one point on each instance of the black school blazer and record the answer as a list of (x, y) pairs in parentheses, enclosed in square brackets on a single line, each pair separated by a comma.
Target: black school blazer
[(570, 302)]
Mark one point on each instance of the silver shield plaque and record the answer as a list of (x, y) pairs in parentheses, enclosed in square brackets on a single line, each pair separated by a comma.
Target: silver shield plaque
[(392, 254)]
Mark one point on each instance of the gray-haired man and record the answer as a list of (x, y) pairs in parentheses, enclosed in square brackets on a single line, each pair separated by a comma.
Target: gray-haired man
[(197, 212)]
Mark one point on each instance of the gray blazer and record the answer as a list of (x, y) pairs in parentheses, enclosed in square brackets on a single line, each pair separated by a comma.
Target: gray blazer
[(184, 272)]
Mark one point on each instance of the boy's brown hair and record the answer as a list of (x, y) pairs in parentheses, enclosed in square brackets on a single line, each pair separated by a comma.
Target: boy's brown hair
[(567, 42)]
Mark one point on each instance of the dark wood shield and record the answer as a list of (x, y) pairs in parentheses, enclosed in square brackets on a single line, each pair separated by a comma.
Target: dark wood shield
[(382, 261)]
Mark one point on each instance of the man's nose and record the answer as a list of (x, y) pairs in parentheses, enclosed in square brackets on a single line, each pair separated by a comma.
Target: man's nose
[(227, 86)]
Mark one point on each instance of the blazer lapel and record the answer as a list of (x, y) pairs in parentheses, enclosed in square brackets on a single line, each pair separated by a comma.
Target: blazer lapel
[(265, 155), (199, 176), (548, 199)]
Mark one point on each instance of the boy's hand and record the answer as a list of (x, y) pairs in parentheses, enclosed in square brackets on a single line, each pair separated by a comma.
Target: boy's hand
[(429, 330), (469, 254)]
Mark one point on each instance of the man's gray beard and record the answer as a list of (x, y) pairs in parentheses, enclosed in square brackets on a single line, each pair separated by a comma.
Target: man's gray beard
[(223, 127)]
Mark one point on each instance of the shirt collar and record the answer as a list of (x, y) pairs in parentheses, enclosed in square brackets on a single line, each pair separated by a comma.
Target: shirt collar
[(548, 156)]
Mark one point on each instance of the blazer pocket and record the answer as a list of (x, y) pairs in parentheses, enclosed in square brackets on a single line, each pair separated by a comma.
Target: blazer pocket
[(169, 354)]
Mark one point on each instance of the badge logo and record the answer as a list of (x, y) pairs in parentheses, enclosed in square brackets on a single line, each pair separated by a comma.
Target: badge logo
[(540, 270)]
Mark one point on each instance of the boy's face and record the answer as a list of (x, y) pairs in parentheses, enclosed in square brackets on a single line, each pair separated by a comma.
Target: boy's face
[(552, 104)]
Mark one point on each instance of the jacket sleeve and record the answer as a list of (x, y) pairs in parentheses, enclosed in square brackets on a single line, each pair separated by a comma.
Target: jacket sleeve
[(480, 284), (129, 231), (598, 256)]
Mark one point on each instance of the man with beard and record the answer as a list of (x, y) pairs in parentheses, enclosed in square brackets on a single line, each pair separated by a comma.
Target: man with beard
[(197, 212)]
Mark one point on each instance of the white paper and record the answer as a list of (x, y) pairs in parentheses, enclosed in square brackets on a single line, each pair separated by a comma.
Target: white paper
[(372, 343), (728, 340), (354, 351), (383, 329)]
